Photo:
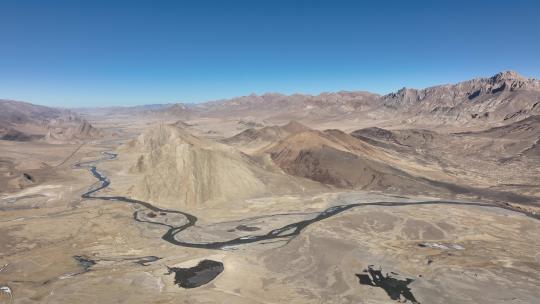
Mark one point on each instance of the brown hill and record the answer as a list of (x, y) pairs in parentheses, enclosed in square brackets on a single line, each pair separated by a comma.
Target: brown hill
[(524, 136), (18, 112), (336, 158), (523, 129), (21, 121), (9, 133), (181, 124), (80, 131), (477, 158), (251, 140), (175, 169), (505, 141), (412, 138)]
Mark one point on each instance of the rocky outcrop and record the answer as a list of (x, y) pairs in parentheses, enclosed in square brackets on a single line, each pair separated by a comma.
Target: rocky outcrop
[(504, 96), (68, 132), (21, 121)]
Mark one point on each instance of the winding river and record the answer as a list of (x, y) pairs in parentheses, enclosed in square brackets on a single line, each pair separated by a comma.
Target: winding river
[(286, 232)]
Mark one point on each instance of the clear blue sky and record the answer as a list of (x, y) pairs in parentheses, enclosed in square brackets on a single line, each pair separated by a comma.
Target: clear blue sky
[(98, 53)]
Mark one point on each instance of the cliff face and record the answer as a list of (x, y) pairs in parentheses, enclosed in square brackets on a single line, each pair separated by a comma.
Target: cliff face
[(505, 96)]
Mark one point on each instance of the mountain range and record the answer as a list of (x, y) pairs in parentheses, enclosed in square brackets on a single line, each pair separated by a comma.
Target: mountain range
[(500, 99), (481, 102)]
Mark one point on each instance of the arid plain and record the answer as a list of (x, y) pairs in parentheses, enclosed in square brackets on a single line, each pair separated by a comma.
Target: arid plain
[(419, 196)]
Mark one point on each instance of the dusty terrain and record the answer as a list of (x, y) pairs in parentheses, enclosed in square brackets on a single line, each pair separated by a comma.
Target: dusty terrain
[(346, 197)]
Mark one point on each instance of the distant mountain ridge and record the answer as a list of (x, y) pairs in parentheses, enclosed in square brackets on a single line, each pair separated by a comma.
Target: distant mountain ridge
[(139, 109), (506, 96), (22, 121), (19, 112), (470, 89), (500, 99), (503, 96)]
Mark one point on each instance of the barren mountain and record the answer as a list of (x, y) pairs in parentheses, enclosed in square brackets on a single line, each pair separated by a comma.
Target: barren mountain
[(336, 158), (21, 121), (176, 169), (522, 139), (290, 107), (500, 158), (504, 142), (181, 124), (506, 96), (411, 138), (18, 112), (277, 107), (500, 99), (66, 132), (523, 129), (253, 139), (122, 110), (409, 162)]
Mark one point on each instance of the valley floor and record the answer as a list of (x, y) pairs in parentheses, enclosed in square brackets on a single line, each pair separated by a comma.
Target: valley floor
[(58, 247)]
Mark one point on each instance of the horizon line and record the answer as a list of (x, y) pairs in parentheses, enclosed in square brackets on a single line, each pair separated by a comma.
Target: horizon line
[(288, 94)]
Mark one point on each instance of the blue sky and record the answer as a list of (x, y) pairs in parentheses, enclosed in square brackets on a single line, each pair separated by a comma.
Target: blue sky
[(99, 53)]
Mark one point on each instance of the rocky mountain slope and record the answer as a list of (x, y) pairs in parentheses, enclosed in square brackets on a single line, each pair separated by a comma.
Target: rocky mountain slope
[(411, 161), (254, 139), (506, 96), (175, 169), (18, 112), (503, 158), (290, 107), (79, 131), (21, 121), (336, 158)]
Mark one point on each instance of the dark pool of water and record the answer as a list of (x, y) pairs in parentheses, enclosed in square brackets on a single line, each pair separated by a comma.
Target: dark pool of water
[(144, 261), (202, 274), (85, 262), (395, 288)]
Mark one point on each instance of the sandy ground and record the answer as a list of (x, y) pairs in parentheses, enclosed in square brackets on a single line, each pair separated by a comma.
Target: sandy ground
[(499, 260)]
